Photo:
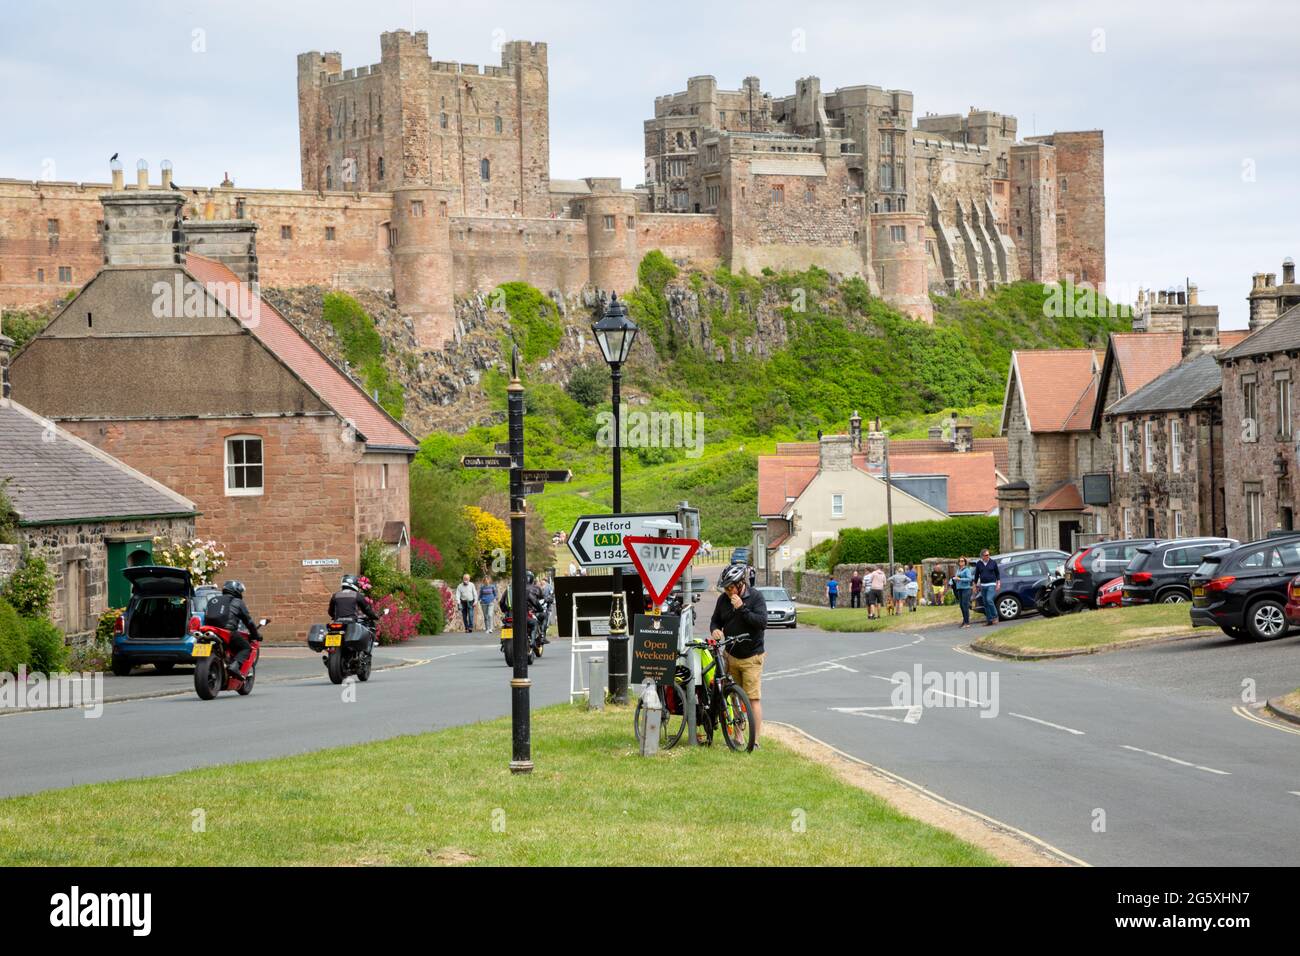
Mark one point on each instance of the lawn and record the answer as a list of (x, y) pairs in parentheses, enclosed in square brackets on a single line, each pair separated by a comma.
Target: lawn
[(855, 619), (447, 797), (1092, 629)]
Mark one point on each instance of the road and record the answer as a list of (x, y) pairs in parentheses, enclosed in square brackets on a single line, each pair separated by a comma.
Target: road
[(1135, 757)]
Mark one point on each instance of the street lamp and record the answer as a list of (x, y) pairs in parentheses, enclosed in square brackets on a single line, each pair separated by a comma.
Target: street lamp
[(615, 333)]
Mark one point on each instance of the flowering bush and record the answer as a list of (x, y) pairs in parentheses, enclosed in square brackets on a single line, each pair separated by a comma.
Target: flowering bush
[(449, 609), (31, 588), (400, 624), (203, 559), (426, 559)]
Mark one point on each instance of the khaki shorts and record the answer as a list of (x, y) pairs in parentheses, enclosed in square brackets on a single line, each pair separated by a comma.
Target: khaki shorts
[(748, 673)]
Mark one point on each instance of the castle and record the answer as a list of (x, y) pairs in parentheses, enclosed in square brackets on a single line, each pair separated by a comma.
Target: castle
[(432, 179)]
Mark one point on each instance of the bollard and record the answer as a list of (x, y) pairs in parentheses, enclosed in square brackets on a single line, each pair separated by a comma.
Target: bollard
[(653, 716), (596, 685)]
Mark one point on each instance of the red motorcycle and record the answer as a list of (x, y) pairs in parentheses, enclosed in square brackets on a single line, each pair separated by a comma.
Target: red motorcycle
[(213, 670)]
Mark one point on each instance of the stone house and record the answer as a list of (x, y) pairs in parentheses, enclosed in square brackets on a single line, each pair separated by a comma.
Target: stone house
[(207, 389), (86, 513)]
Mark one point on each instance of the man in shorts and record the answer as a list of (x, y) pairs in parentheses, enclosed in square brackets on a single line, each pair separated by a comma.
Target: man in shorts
[(742, 612), (876, 592)]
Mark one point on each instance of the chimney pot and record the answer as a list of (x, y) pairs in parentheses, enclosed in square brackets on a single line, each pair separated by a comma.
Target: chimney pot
[(142, 174), (165, 173), (1288, 270), (119, 179)]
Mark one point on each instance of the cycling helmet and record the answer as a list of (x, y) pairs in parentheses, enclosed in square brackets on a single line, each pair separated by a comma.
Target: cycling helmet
[(233, 588), (732, 574), (350, 583)]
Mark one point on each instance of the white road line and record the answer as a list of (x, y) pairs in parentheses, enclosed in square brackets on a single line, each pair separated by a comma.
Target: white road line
[(912, 716), (1184, 763), (1294, 793), (937, 693), (1047, 723), (820, 667)]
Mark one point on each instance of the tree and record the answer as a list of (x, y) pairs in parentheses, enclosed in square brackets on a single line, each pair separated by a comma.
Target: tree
[(491, 540), (588, 385)]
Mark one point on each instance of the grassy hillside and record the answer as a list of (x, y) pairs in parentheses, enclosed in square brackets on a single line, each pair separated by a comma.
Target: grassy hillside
[(767, 358)]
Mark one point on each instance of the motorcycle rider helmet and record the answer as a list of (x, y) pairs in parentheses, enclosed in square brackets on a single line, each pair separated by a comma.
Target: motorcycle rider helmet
[(731, 574), (531, 577), (350, 583), (233, 588)]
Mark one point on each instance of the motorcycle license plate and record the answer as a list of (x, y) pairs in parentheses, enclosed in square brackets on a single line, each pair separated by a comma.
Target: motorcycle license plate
[(507, 633), (1198, 592), (333, 640), (201, 649)]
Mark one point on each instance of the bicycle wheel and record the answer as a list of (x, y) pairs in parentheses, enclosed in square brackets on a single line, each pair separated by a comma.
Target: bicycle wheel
[(737, 727), (671, 726)]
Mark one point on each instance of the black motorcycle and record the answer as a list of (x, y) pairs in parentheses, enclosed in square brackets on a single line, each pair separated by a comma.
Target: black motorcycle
[(1053, 601), (346, 645), (535, 633)]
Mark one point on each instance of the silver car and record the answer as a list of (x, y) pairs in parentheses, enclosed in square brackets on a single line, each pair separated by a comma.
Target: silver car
[(780, 607)]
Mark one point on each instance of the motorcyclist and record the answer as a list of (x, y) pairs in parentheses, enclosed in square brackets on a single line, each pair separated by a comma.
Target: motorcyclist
[(536, 600), (540, 597), (349, 602), (228, 611)]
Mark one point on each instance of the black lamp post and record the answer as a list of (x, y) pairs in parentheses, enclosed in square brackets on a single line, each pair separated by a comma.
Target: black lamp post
[(615, 333)]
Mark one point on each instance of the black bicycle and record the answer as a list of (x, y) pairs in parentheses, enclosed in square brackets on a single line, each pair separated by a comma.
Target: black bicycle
[(720, 703)]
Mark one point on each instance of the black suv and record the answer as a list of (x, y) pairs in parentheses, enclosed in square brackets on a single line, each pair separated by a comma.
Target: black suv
[(1158, 573), (1243, 590), (1089, 568)]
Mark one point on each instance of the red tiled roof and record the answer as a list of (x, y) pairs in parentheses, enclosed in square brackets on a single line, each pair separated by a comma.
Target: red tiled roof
[(782, 476), (972, 484), (1145, 356), (1064, 498), (997, 447), (1058, 386), (1232, 337), (278, 334)]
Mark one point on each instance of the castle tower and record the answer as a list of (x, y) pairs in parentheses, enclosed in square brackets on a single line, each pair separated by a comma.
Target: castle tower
[(898, 259), (314, 70), (611, 235), (528, 63), (1033, 210), (422, 261)]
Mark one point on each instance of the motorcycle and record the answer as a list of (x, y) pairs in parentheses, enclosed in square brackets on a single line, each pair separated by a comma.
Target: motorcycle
[(1052, 601), (212, 655), (346, 646), (535, 632)]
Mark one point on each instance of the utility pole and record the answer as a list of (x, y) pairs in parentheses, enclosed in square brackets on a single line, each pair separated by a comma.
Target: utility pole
[(889, 498), (521, 727)]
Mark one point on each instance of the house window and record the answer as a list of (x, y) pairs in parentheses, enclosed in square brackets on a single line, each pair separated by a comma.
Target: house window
[(837, 506), (1126, 461), (1175, 446), (329, 233), (286, 232), (1249, 410), (65, 273), (713, 194), (1148, 446), (1282, 384), (1254, 512), (1176, 521), (485, 170), (898, 234), (1017, 527), (1128, 522), (244, 465), (609, 223)]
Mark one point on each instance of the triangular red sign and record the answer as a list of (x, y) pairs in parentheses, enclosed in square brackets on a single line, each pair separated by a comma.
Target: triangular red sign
[(660, 561)]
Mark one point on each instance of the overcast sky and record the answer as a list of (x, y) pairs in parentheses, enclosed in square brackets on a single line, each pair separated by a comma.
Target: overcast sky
[(1200, 102)]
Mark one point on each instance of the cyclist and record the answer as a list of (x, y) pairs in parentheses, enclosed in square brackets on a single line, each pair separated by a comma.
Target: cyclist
[(742, 612)]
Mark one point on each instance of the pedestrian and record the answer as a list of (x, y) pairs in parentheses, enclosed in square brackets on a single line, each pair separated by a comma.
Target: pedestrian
[(910, 571), (753, 575), (961, 586), (467, 594), (832, 591), (487, 597), (898, 589), (855, 589), (987, 575), (937, 580), (875, 592)]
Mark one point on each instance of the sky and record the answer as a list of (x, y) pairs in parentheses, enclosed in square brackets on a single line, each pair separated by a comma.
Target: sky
[(1200, 102)]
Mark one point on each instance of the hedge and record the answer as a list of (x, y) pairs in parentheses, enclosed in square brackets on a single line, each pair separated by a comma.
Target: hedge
[(916, 540)]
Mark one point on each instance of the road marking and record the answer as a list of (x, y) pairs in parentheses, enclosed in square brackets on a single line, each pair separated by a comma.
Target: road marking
[(820, 667), (899, 779), (1184, 763), (930, 690), (1047, 723), (965, 649), (1255, 718), (912, 716), (1294, 793)]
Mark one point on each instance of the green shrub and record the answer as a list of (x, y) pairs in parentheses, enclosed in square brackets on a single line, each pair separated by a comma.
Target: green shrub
[(915, 541), (14, 650), (425, 600), (534, 319), (22, 327), (364, 349), (31, 589), (8, 517), (378, 565), (48, 652), (588, 385)]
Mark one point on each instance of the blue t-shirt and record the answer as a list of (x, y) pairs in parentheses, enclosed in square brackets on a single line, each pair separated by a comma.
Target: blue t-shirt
[(833, 586), (487, 593), (911, 574)]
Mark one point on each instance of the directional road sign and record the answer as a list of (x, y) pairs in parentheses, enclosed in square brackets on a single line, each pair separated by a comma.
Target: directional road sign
[(597, 540), (485, 461)]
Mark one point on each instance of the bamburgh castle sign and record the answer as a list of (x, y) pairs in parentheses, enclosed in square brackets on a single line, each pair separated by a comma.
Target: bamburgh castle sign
[(432, 179)]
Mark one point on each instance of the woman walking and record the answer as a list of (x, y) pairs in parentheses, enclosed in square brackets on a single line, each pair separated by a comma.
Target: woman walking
[(961, 585)]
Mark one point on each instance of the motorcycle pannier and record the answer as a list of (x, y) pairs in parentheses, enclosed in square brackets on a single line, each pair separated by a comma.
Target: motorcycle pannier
[(316, 637), (355, 633)]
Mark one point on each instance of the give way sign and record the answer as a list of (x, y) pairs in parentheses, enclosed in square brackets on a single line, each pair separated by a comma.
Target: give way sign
[(660, 561)]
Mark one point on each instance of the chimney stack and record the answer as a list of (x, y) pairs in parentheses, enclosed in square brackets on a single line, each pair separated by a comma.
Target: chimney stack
[(6, 347), (876, 446), (855, 431), (165, 174), (935, 433), (1288, 271), (835, 452), (232, 241), (963, 436), (119, 179), (142, 226)]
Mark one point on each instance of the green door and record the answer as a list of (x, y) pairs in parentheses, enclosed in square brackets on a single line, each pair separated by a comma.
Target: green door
[(125, 553)]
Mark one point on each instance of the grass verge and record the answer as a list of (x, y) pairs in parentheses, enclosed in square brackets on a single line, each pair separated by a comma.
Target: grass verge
[(448, 797), (1089, 630), (855, 619)]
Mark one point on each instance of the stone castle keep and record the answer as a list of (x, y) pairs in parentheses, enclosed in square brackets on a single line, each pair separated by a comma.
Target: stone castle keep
[(432, 179)]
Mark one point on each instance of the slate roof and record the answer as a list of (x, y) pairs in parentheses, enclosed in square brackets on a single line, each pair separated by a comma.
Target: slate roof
[(1280, 335), (56, 477), (1179, 388)]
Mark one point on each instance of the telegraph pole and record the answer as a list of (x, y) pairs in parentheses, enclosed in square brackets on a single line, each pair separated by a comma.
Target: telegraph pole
[(521, 727)]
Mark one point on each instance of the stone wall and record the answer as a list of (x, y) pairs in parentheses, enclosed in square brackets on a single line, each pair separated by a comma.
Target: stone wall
[(1080, 205), (11, 556)]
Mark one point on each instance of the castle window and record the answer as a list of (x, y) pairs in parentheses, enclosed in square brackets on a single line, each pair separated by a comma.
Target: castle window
[(329, 233), (286, 232), (692, 138), (886, 176), (902, 204), (631, 222), (713, 194), (898, 234), (713, 154), (442, 209), (392, 236), (1065, 184), (498, 124), (442, 120), (417, 208), (381, 167), (1020, 232), (329, 134), (856, 237), (778, 193), (65, 275), (609, 223), (681, 141), (329, 177), (485, 169), (889, 204), (40, 275), (809, 195)]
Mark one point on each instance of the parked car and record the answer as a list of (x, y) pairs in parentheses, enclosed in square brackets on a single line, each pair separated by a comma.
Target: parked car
[(1089, 568), (1111, 594), (1158, 573), (1292, 609), (1050, 553), (160, 619), (1022, 581), (1244, 590), (780, 607), (740, 556)]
